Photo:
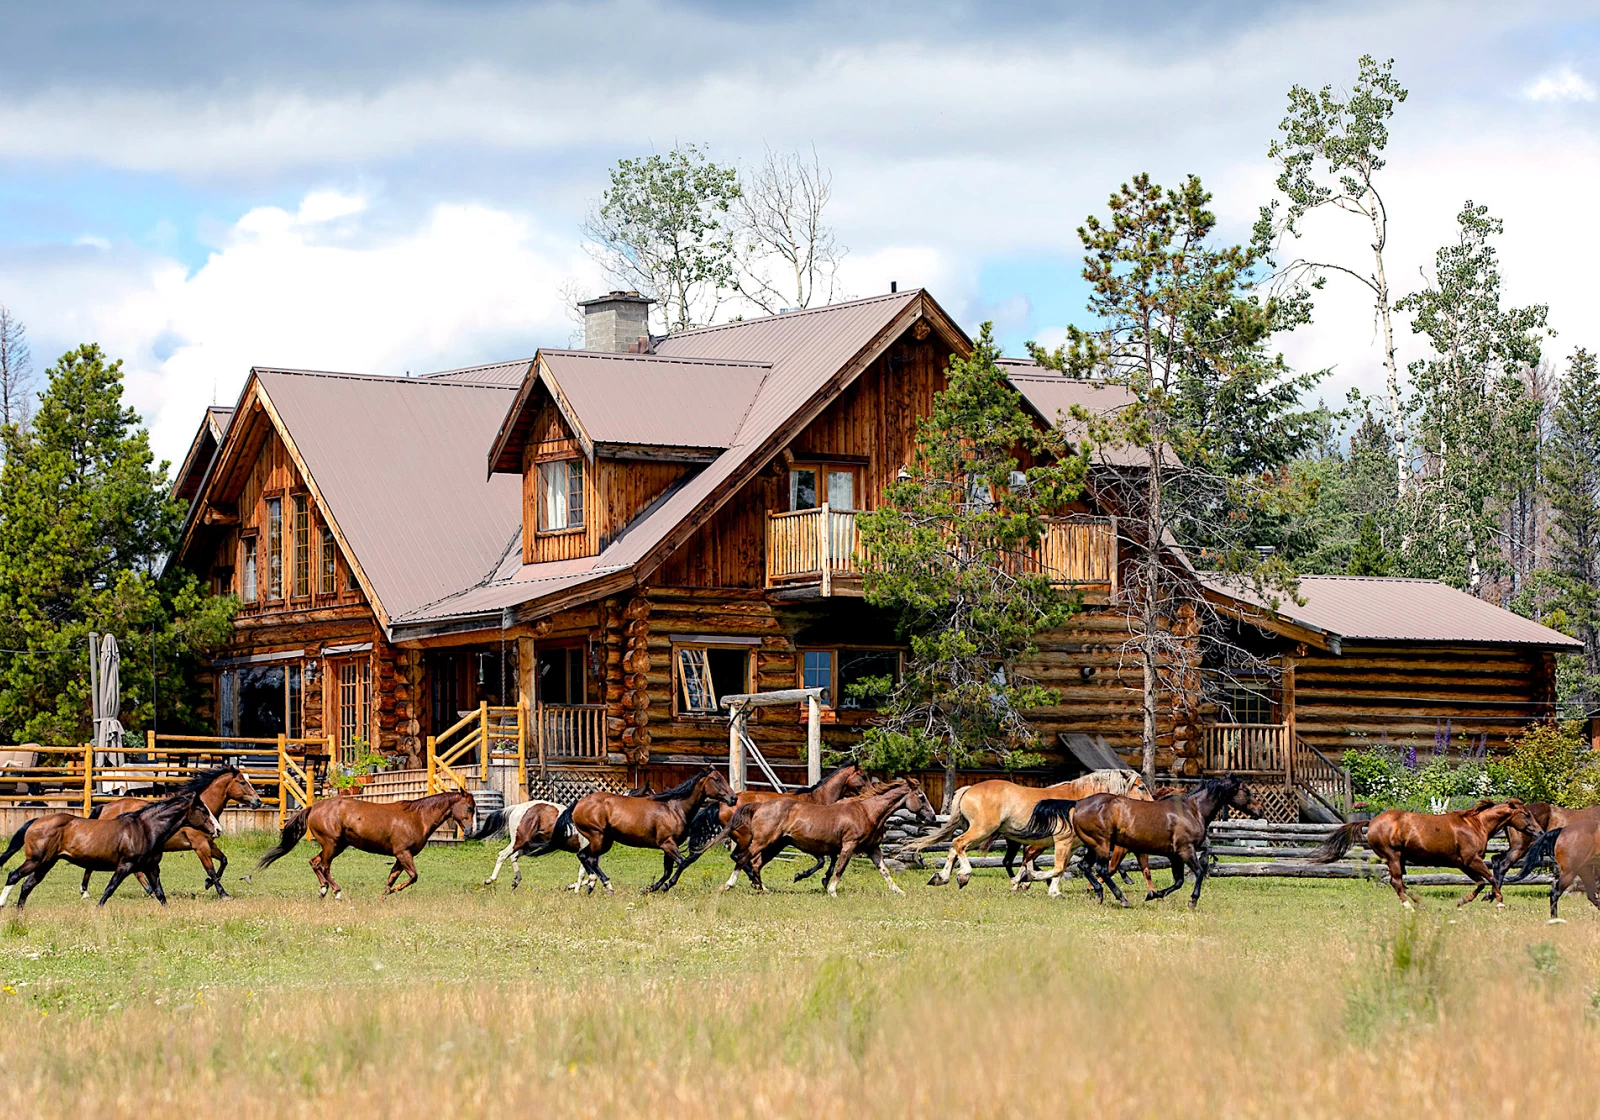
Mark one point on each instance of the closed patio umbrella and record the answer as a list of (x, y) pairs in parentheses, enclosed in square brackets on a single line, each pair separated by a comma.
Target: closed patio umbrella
[(105, 690)]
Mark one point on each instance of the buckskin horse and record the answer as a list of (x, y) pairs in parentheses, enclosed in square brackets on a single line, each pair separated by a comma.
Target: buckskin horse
[(1456, 839), (840, 830), (661, 820), (1574, 846), (1175, 827), (999, 808), (847, 781), (124, 845), (399, 830), (217, 788)]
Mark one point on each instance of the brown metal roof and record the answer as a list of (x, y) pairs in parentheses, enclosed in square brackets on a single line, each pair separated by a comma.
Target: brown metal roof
[(509, 374), (653, 399), (202, 449), (1053, 396), (399, 463), (1368, 608)]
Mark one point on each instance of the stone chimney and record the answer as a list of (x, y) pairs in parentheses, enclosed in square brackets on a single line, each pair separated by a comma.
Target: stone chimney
[(616, 322)]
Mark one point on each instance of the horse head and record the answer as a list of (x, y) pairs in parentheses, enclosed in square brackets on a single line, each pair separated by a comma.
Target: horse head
[(1521, 817), (854, 781), (714, 786), (463, 809), (201, 818), (240, 790), (917, 803)]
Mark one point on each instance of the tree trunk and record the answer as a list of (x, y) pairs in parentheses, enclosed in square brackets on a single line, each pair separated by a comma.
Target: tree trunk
[(1391, 368), (949, 783), (1148, 760)]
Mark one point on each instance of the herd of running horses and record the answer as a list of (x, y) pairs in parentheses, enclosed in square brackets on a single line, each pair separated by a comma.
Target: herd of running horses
[(1108, 814)]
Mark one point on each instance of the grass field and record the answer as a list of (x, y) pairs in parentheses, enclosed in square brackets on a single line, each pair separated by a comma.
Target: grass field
[(454, 1000)]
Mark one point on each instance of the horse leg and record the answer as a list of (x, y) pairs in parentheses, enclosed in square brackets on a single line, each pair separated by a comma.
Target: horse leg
[(206, 850), (1591, 887), (1058, 868), (1087, 867), (516, 870), (810, 871), (1201, 867), (84, 890), (1012, 848), (1177, 880), (1485, 878), (667, 864), (1108, 875), (153, 876), (1144, 866), (122, 872), (1397, 880), (596, 874), (676, 861), (509, 851), (876, 856), (35, 877), (404, 861), (24, 874), (327, 870), (845, 854)]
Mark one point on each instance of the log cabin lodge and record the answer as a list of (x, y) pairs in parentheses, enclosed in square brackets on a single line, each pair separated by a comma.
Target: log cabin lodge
[(608, 540)]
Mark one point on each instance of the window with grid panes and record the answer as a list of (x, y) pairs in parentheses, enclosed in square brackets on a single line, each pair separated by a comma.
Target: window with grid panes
[(302, 547)]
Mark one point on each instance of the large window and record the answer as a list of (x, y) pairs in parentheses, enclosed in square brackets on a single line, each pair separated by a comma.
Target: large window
[(835, 670), (302, 547), (355, 706), (810, 486), (274, 548), (1247, 704), (561, 675), (261, 701), (326, 570), (707, 673), (561, 495), (247, 570)]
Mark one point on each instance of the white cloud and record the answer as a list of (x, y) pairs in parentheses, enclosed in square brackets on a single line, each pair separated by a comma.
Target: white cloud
[(1561, 84)]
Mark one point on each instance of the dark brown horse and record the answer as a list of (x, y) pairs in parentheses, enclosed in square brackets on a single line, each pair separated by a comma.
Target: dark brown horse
[(1574, 845), (1175, 827), (1547, 816), (123, 846), (400, 830), (838, 830), (1456, 839), (217, 788), (594, 822), (847, 781)]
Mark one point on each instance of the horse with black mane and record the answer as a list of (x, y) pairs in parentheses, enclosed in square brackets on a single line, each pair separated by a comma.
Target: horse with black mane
[(126, 845), (400, 830), (217, 788), (661, 820), (1573, 845)]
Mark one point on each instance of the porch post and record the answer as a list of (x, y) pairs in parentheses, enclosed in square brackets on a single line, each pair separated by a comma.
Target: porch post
[(825, 550), (483, 740), (432, 744), (522, 748), (283, 785), (735, 749), (88, 778), (813, 739), (1288, 721)]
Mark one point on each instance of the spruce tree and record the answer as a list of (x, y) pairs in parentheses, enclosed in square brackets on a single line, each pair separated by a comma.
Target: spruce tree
[(1569, 588)]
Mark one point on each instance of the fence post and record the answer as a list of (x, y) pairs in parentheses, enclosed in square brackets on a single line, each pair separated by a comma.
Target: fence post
[(88, 778), (538, 734), (150, 747), (283, 784), (826, 553), (483, 740), (432, 743), (813, 739), (522, 748)]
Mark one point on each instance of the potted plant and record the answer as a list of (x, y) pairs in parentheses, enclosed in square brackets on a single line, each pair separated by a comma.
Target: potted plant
[(359, 771)]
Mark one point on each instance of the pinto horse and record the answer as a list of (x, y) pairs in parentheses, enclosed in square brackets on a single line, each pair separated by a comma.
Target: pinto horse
[(400, 830), (999, 808), (538, 817), (124, 845), (1175, 827), (840, 829), (847, 781), (1456, 839), (1574, 845), (596, 821), (217, 788)]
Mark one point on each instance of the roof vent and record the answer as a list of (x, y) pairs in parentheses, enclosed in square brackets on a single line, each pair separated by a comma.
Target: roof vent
[(617, 322)]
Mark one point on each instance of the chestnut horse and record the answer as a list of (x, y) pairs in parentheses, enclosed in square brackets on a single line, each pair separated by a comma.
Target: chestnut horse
[(1456, 839), (1174, 827), (999, 808), (1575, 847), (123, 846), (661, 820), (217, 788), (841, 829), (847, 781), (1547, 816), (400, 830)]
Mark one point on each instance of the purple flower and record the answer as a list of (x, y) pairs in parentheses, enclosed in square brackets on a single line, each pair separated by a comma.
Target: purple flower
[(1409, 759)]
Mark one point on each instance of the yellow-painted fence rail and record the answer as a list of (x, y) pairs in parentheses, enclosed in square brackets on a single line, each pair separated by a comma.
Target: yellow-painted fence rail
[(489, 734)]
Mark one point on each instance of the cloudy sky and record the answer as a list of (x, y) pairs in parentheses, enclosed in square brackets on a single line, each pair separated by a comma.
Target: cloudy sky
[(394, 187)]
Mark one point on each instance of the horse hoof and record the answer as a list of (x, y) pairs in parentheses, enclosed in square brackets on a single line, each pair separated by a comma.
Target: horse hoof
[(1499, 906), (1126, 905), (1151, 896), (962, 881), (1556, 922), (933, 882)]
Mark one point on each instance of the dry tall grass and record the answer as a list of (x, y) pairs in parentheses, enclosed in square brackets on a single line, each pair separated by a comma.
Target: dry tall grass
[(1276, 999)]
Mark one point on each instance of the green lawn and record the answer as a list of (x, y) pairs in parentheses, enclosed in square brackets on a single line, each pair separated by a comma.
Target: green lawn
[(975, 999)]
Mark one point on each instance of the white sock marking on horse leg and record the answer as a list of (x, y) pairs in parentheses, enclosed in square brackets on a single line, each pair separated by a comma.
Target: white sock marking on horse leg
[(7, 894), (733, 880)]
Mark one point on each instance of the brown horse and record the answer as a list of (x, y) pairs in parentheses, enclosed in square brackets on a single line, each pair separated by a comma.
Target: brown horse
[(1575, 847), (1003, 809), (400, 830), (661, 820), (847, 781), (841, 829), (1547, 816), (1174, 827), (217, 788), (1456, 839), (124, 846)]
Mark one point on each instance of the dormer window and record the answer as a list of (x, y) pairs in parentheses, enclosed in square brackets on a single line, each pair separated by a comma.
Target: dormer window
[(560, 495)]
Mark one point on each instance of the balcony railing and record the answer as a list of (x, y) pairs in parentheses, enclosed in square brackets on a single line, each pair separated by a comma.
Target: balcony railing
[(818, 546), (570, 733)]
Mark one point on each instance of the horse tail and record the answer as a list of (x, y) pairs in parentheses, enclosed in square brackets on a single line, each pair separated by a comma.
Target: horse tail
[(94, 815), (741, 816), (1050, 816), (294, 829), (558, 834), (956, 823), (16, 841), (492, 824), (703, 829), (1338, 843), (1543, 848)]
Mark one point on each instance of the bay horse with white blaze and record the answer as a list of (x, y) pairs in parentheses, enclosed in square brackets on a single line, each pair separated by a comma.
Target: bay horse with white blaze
[(124, 845), (1456, 839), (839, 830), (660, 820), (217, 788), (399, 829)]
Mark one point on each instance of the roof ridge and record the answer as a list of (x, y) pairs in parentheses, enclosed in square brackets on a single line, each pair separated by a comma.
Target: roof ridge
[(427, 380), (676, 359), (470, 369), (792, 314)]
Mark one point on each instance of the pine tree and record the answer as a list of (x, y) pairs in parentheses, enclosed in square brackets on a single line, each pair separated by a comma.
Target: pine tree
[(1569, 589), (1368, 557), (85, 522)]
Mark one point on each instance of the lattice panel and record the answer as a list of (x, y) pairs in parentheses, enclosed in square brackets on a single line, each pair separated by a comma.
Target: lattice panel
[(565, 786), (1278, 805)]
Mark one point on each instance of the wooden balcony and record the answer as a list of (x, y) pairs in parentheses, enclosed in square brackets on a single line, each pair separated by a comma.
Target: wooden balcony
[(815, 553), (1273, 753), (570, 734)]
